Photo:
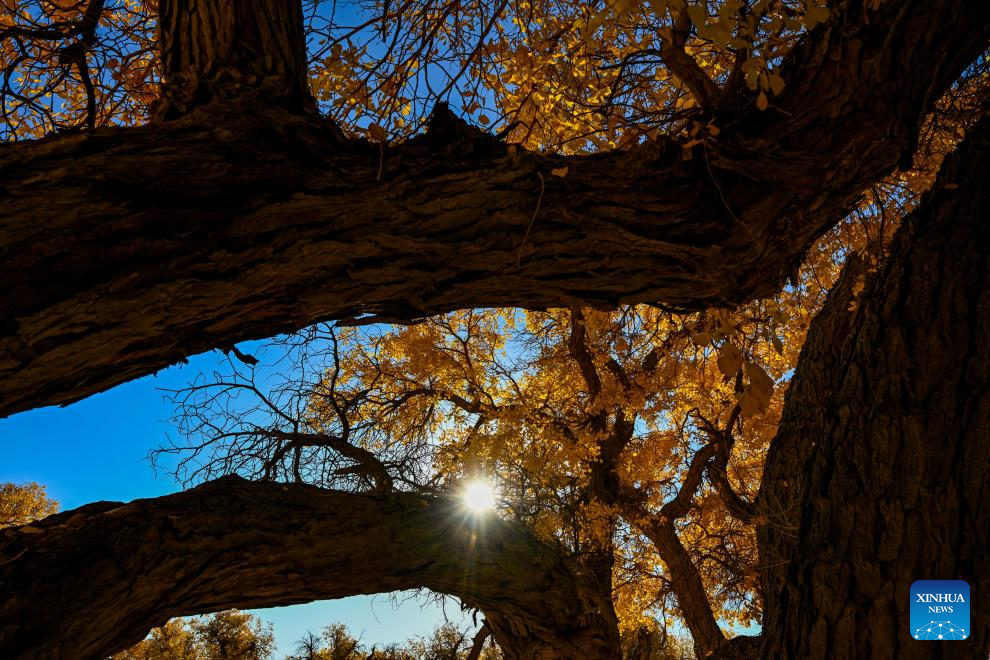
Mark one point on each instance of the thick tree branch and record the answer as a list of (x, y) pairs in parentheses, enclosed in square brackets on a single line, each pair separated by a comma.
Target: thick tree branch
[(578, 348), (233, 543), (686, 583), (740, 508), (723, 441), (478, 643), (125, 250), (678, 507)]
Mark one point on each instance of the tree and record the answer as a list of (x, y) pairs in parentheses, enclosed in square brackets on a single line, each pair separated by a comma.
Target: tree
[(21, 504), (446, 642), (760, 186), (223, 635), (596, 428), (335, 643), (232, 634), (173, 641)]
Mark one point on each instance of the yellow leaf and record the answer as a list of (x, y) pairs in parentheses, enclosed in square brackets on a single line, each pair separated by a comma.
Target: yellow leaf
[(749, 405), (729, 359), (559, 171), (760, 384), (761, 101)]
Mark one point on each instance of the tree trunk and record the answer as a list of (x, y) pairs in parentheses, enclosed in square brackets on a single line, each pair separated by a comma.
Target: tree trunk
[(92, 581), (214, 49), (880, 471), (244, 218)]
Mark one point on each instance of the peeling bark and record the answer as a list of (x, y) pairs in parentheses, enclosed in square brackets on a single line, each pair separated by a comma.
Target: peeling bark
[(880, 470), (126, 250), (92, 581)]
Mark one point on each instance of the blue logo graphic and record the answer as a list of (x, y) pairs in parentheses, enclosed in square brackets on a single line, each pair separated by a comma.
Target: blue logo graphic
[(940, 610)]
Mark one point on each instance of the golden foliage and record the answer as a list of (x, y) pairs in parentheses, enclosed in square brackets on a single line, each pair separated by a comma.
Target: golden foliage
[(21, 504), (219, 636)]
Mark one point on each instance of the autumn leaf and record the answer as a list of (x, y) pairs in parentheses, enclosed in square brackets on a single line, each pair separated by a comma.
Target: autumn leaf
[(729, 359), (377, 134), (760, 386)]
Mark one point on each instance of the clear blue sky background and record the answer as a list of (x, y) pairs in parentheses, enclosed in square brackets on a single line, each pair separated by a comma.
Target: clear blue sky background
[(97, 449)]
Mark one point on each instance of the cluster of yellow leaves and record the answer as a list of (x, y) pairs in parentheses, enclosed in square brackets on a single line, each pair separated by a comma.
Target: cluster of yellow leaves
[(218, 636), (552, 75), (21, 504), (43, 92)]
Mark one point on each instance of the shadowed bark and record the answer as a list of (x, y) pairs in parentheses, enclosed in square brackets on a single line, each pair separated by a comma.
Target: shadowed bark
[(92, 581), (126, 250), (879, 472)]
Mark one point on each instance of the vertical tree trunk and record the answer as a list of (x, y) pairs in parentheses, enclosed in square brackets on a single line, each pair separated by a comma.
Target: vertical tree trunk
[(219, 48), (880, 471)]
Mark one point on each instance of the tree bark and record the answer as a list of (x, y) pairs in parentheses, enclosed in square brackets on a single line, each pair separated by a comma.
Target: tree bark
[(880, 470), (243, 219), (214, 49), (92, 581)]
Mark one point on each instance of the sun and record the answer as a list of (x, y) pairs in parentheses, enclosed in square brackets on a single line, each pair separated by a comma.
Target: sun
[(479, 496)]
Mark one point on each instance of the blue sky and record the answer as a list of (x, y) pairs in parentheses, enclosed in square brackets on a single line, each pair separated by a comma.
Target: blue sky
[(97, 449)]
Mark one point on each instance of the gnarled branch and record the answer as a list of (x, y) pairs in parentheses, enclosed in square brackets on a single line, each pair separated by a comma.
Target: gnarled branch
[(234, 543)]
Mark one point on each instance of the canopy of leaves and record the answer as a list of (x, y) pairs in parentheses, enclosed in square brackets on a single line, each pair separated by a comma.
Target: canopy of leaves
[(547, 74), (220, 636)]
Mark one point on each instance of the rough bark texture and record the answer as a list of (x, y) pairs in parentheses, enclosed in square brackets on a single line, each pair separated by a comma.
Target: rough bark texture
[(125, 250), (880, 471), (92, 581), (225, 48)]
